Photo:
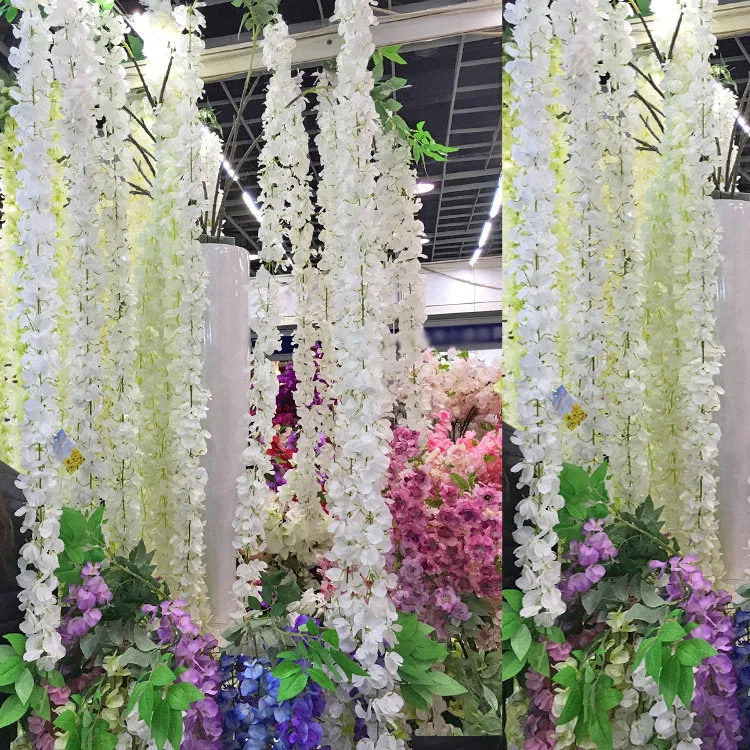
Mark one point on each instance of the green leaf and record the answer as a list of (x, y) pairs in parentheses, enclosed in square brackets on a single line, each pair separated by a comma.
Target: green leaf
[(669, 679), (600, 730), (693, 651), (512, 665), (642, 650), (514, 598), (10, 669), (160, 722), (556, 635), (11, 711), (55, 679), (671, 631), (66, 721), (521, 642), (6, 652), (567, 677), (292, 686), (146, 704), (608, 698), (175, 729), (511, 623), (538, 658), (181, 695), (162, 676), (392, 53), (573, 706), (135, 695), (24, 685), (332, 637), (443, 684), (653, 661), (17, 642), (686, 685), (319, 676), (460, 482), (413, 697), (40, 702), (286, 669)]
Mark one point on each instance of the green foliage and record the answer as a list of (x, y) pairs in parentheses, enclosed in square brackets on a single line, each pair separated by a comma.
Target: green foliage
[(257, 14), (585, 497), (523, 640), (8, 11), (18, 680), (670, 657), (420, 653), (84, 542), (313, 651), (423, 146)]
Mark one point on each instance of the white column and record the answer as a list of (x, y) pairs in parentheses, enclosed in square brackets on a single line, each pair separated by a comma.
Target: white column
[(227, 336), (733, 313)]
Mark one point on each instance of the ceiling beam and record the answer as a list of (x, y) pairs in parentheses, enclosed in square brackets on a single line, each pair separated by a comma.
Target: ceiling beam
[(316, 45)]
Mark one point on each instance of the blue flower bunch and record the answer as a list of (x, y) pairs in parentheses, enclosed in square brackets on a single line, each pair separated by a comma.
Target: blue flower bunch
[(255, 718), (741, 660)]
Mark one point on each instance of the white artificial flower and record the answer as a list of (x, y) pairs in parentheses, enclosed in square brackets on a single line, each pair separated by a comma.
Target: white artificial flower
[(535, 261), (37, 311)]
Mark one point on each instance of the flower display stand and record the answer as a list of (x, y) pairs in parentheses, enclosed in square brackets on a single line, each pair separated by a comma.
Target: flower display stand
[(734, 415), (227, 337)]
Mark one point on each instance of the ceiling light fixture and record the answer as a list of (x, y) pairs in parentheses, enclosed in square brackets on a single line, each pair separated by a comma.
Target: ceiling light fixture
[(424, 187), (475, 257), (497, 201), (251, 205), (425, 240), (486, 229)]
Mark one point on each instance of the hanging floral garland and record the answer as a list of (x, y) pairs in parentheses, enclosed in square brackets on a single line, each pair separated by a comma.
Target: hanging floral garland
[(360, 608), (397, 205), (682, 393), (121, 486), (173, 326), (278, 177), (327, 191), (75, 67), (39, 303), (306, 515), (578, 26), (11, 393), (627, 447), (534, 263)]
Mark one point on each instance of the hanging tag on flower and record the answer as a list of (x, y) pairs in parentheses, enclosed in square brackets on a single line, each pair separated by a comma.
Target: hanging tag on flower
[(66, 452), (567, 408)]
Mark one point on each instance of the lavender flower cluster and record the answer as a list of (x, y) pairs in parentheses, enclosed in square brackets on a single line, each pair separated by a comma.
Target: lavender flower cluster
[(193, 650), (255, 718), (589, 554)]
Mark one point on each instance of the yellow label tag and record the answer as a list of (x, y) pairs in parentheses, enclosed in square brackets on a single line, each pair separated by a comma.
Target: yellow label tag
[(73, 461), (574, 417)]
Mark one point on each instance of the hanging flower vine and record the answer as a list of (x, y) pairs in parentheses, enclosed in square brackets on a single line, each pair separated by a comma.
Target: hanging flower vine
[(37, 309), (532, 268)]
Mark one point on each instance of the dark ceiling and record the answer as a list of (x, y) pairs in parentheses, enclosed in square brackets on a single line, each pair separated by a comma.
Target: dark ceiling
[(454, 86)]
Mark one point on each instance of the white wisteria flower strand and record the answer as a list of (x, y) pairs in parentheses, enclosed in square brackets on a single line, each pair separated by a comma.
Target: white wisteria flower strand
[(627, 446), (75, 66), (360, 609), (276, 180), (121, 486), (37, 309), (578, 27), (534, 266)]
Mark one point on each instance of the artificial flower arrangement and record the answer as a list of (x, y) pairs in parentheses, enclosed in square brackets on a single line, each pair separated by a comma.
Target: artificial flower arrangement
[(446, 504), (467, 388), (136, 669), (642, 655), (282, 667)]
